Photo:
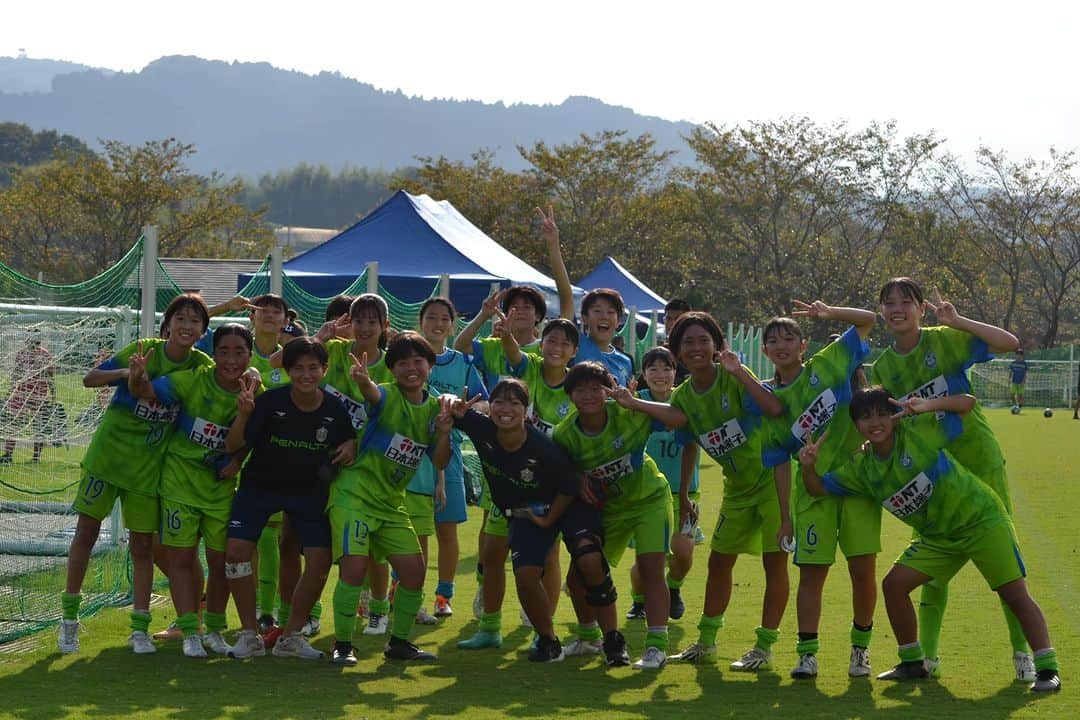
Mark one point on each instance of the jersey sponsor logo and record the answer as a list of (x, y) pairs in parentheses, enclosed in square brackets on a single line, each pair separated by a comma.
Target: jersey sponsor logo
[(910, 498), (356, 411), (814, 417), (405, 451), (938, 387), (209, 435), (538, 423), (155, 411), (612, 471), (722, 439), (278, 414)]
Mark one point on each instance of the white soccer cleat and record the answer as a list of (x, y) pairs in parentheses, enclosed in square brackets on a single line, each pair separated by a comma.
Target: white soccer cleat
[(141, 644), (68, 639), (1025, 667), (653, 659), (696, 653), (216, 643), (193, 646), (753, 660), (296, 646), (248, 644), (806, 669), (525, 621), (311, 627), (377, 625), (860, 662), (423, 617), (577, 646)]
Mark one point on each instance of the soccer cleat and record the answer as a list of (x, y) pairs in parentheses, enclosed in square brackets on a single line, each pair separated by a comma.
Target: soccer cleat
[(478, 603), (614, 646), (296, 646), (577, 646), (377, 625), (546, 650), (270, 637), (678, 607), (695, 653), (481, 641), (806, 669), (140, 643), (860, 662), (442, 607), (525, 621), (908, 670), (68, 639), (248, 644), (653, 659), (170, 633), (311, 627), (423, 617), (193, 646), (266, 622), (636, 611), (1025, 667), (753, 660), (214, 641), (343, 654), (401, 649), (699, 536), (1046, 681)]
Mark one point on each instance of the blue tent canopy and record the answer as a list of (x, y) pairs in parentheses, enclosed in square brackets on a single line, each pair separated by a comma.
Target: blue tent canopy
[(415, 239), (635, 294)]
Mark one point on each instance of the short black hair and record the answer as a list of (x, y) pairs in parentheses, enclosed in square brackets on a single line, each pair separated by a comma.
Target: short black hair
[(529, 293), (301, 347), (658, 354), (445, 302), (678, 305), (406, 344), (688, 320), (586, 372), (512, 389), (612, 296), (268, 299), (871, 400), (906, 286), (568, 329), (781, 323), (187, 300), (227, 329), (337, 307)]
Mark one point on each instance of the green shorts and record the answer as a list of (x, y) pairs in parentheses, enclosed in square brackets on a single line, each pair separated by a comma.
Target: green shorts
[(853, 523), (181, 525), (649, 528), (998, 481), (354, 532), (749, 530), (1018, 388), (421, 509), (141, 513), (994, 552), (496, 523)]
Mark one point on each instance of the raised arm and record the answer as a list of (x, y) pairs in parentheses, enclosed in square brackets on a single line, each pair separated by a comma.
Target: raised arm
[(550, 232), (671, 416), (100, 378), (998, 340), (960, 404), (769, 403), (464, 339), (444, 426), (360, 376), (863, 320), (233, 304), (245, 406), (511, 348), (808, 455)]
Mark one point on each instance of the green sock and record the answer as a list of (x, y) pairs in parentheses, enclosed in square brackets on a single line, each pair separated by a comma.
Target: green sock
[(637, 597), (491, 622), (808, 646), (1016, 633), (140, 620), (215, 621), (861, 638), (379, 607), (657, 637), (284, 611), (590, 632), (933, 598), (708, 627), (406, 605), (69, 603), (188, 623), (766, 638), (1046, 659), (269, 569), (912, 652), (674, 584), (346, 600), (316, 609)]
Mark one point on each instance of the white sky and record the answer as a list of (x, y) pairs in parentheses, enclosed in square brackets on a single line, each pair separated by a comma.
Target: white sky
[(990, 72)]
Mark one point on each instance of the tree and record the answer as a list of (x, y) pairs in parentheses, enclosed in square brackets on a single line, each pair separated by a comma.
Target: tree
[(20, 146)]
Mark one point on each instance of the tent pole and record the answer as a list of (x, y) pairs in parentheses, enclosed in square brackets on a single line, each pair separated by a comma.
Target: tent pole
[(275, 269), (149, 282), (444, 285), (373, 277)]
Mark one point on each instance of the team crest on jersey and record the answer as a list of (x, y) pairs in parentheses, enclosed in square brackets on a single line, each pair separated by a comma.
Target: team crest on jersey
[(617, 443), (906, 460), (321, 434), (526, 476), (725, 404), (275, 376), (931, 359), (563, 409), (814, 379)]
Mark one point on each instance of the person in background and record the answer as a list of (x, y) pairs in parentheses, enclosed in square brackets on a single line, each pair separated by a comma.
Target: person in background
[(1018, 369)]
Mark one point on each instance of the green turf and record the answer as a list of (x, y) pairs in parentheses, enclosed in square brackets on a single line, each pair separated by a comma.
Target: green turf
[(105, 680)]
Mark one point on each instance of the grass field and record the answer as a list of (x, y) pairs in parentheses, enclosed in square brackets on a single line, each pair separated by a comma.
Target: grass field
[(105, 680)]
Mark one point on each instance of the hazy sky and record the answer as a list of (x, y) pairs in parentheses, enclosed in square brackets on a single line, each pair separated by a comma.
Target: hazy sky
[(992, 72)]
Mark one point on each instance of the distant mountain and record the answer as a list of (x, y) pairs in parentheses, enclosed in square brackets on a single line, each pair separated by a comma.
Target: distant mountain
[(34, 75), (251, 118)]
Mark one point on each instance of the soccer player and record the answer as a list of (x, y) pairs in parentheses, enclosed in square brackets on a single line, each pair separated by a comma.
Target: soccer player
[(932, 362), (1018, 369), (529, 308), (534, 483), (673, 310), (297, 436), (955, 516), (197, 483), (367, 503), (124, 461), (815, 395)]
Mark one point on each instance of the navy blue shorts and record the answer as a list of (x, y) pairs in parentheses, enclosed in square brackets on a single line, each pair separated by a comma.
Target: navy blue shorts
[(252, 509), (530, 543)]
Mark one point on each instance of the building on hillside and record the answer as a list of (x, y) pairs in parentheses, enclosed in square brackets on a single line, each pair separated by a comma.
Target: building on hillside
[(215, 280)]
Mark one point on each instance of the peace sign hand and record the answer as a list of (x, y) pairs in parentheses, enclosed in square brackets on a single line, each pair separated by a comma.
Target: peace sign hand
[(358, 371), (460, 405), (245, 400), (911, 406), (945, 310), (548, 229), (621, 395), (816, 310), (729, 361), (137, 361), (492, 303), (808, 453), (444, 421)]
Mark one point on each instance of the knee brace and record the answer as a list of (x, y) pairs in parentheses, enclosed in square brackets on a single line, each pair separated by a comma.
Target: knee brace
[(235, 571), (603, 593)]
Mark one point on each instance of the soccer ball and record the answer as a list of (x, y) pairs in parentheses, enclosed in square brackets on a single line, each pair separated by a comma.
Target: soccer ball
[(1015, 409), (1048, 412)]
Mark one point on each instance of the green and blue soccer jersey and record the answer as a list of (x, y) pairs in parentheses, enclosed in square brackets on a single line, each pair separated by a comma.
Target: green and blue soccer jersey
[(921, 483), (196, 451), (666, 448), (489, 356), (937, 366), (272, 377), (815, 402), (452, 374), (549, 405), (128, 446), (615, 459), (726, 422), (396, 437), (339, 383)]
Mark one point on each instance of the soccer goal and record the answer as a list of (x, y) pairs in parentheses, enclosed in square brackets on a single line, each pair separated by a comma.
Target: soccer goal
[(1049, 383)]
